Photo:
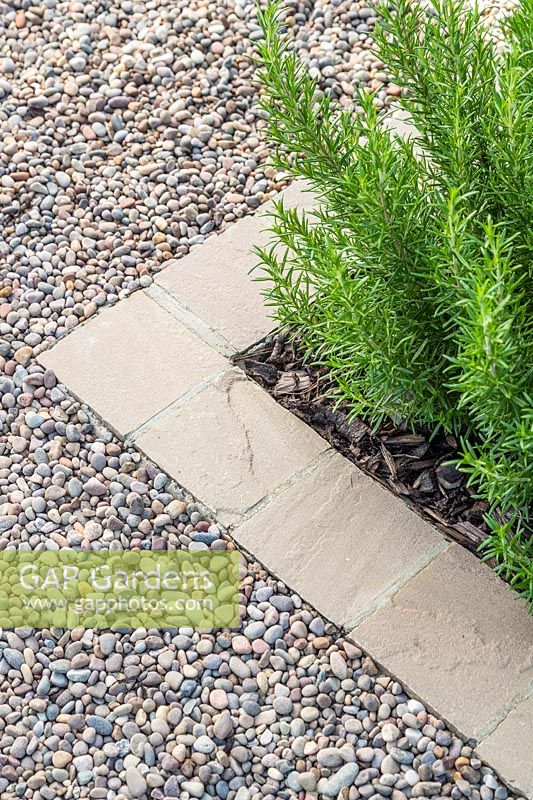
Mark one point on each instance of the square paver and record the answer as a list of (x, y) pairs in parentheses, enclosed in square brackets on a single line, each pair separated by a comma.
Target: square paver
[(131, 361), (509, 749), (231, 445), (340, 540), (459, 638), (213, 280)]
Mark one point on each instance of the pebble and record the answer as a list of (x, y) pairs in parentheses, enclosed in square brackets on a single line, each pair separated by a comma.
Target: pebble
[(338, 666), (107, 643), (204, 745), (223, 726), (254, 630), (100, 725), (345, 776), (13, 657), (283, 705), (390, 732), (135, 782)]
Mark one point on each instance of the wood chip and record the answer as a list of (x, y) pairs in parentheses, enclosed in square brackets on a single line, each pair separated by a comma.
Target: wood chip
[(405, 438), (435, 515), (279, 343), (388, 460), (424, 482), (292, 382), (260, 369), (472, 532)]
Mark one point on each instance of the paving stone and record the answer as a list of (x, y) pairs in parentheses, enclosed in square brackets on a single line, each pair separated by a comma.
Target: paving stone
[(399, 122), (231, 445), (401, 125), (214, 280), (458, 637), (509, 749), (131, 361), (297, 195), (340, 540)]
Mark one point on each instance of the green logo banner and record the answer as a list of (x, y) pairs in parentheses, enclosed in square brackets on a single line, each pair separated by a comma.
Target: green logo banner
[(119, 589)]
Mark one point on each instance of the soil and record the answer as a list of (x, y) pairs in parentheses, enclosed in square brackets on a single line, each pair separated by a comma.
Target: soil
[(414, 464)]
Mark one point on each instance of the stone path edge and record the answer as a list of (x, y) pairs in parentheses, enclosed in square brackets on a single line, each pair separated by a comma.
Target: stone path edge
[(509, 769)]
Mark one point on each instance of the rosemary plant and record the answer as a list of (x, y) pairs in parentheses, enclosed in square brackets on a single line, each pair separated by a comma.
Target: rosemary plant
[(413, 282)]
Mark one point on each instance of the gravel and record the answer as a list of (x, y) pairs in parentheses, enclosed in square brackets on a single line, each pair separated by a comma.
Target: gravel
[(494, 13), (130, 132), (184, 714), (71, 483)]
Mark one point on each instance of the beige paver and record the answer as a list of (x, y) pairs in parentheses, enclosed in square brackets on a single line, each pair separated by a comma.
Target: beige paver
[(400, 123), (340, 539), (131, 361), (213, 281), (509, 749), (297, 195), (458, 637), (231, 445)]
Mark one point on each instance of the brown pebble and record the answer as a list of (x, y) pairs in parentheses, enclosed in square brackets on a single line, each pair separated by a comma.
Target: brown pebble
[(369, 666), (23, 356)]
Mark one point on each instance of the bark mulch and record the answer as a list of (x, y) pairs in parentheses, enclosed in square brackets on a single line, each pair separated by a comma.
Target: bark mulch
[(414, 465)]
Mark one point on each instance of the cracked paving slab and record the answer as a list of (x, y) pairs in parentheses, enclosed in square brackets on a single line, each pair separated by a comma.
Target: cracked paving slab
[(234, 424)]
